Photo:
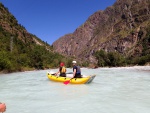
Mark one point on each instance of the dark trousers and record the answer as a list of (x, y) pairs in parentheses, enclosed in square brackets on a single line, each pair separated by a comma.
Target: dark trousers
[(62, 74), (78, 75)]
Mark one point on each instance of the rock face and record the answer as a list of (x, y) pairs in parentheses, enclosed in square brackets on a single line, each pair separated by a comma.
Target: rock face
[(117, 28)]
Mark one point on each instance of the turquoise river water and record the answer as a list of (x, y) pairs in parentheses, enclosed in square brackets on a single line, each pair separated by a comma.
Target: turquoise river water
[(114, 90)]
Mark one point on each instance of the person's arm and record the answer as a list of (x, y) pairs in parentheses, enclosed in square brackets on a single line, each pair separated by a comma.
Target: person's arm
[(57, 73), (74, 73)]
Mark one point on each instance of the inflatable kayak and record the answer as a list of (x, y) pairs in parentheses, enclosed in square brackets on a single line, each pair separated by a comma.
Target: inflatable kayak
[(83, 80)]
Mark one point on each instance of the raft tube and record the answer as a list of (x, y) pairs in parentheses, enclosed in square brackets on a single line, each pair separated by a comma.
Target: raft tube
[(84, 80)]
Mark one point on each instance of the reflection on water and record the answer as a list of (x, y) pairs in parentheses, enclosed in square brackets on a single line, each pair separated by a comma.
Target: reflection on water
[(114, 90)]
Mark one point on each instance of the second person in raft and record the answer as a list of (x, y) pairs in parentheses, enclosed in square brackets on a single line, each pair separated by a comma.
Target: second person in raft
[(76, 70), (62, 70)]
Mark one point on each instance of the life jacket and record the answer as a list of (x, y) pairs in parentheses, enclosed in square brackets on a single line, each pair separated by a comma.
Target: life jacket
[(63, 69), (78, 71)]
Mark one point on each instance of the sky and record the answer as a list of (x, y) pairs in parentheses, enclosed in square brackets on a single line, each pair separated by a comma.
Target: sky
[(52, 19)]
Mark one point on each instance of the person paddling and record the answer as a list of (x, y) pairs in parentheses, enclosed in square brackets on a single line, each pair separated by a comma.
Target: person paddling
[(62, 70), (76, 70)]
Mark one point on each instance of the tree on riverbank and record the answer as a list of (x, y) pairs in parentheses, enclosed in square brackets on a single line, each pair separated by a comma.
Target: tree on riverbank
[(26, 56)]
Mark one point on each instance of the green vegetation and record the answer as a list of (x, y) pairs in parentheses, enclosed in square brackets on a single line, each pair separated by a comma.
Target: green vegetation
[(19, 50), (145, 57), (109, 59), (16, 55), (116, 59)]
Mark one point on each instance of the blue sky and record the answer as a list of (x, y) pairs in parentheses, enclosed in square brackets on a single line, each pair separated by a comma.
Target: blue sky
[(51, 19)]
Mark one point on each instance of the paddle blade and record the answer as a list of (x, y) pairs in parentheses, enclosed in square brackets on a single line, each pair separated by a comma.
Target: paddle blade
[(67, 82)]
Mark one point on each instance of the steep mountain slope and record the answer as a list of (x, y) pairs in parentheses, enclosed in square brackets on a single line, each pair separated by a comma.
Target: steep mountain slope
[(9, 23), (21, 50), (122, 27)]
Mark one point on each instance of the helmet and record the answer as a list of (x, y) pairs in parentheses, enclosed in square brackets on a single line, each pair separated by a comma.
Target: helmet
[(74, 62), (62, 64)]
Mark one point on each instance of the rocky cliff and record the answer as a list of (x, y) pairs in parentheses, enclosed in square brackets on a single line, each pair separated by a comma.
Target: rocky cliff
[(121, 27)]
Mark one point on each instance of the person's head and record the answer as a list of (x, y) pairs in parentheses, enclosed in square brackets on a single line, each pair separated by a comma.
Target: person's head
[(62, 64), (74, 62)]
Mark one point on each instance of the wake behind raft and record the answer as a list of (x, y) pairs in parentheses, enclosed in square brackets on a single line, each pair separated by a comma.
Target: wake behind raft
[(66, 80)]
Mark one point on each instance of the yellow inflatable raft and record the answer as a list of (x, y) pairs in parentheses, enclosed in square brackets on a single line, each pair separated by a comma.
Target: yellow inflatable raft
[(84, 80)]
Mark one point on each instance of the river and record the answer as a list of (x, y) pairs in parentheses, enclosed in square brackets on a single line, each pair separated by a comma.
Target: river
[(114, 90)]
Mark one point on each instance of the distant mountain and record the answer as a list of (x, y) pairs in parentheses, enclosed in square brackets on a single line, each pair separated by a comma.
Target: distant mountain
[(123, 28)]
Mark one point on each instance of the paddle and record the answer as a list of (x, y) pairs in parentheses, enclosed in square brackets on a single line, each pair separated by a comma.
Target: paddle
[(53, 73), (67, 81), (66, 73), (69, 73)]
